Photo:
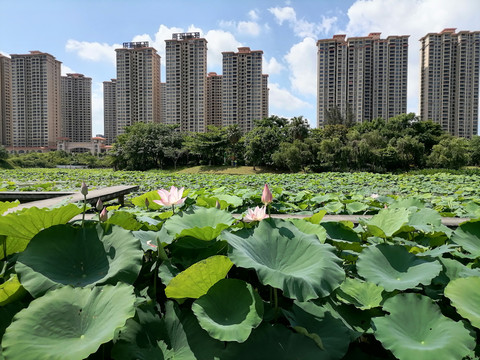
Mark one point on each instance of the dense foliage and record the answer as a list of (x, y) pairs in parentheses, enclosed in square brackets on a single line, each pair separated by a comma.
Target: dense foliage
[(401, 143), (195, 282), (53, 159)]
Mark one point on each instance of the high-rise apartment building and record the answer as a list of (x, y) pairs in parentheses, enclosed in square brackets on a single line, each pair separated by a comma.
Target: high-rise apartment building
[(363, 76), (186, 81), (110, 111), (77, 107), (163, 101), (214, 99), (137, 85), (36, 100), (5, 101), (244, 88), (449, 75)]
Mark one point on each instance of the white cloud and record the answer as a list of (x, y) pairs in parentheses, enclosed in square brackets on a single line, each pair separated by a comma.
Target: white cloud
[(301, 27), (4, 53), (93, 51), (302, 63), (248, 28), (158, 41), (415, 18), (272, 67), (253, 15), (66, 70), (282, 100), (218, 41)]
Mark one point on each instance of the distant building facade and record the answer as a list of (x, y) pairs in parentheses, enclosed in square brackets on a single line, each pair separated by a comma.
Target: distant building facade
[(186, 81), (449, 69), (76, 107), (366, 76), (137, 85), (5, 101), (36, 100), (110, 110), (244, 88), (214, 99)]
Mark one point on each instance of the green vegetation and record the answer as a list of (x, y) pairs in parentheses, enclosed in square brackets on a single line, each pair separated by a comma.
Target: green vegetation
[(178, 278)]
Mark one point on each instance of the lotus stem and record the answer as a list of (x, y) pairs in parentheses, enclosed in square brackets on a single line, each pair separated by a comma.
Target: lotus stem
[(275, 299), (4, 241), (84, 208)]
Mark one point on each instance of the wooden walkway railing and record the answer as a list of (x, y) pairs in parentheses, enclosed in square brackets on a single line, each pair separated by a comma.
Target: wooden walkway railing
[(109, 193)]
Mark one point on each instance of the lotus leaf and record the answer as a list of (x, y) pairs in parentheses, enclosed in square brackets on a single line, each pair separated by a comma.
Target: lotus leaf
[(201, 223), (363, 295), (20, 227), (464, 294), (195, 281), (139, 201), (79, 256), (416, 329), (68, 323), (285, 258), (229, 310), (309, 228), (356, 207), (467, 235), (274, 342), (5, 205), (11, 290), (394, 268), (334, 335), (388, 221)]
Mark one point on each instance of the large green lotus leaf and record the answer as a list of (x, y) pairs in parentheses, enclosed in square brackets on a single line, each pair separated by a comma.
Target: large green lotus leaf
[(20, 227), (416, 329), (200, 223), (394, 268), (79, 256), (142, 337), (317, 217), (139, 201), (334, 335), (195, 281), (407, 203), (229, 310), (454, 269), (361, 294), (310, 228), (231, 200), (11, 290), (5, 205), (356, 207), (339, 231), (186, 340), (389, 221), (464, 294), (467, 235), (68, 323), (274, 342), (285, 258), (148, 239), (126, 220), (334, 207)]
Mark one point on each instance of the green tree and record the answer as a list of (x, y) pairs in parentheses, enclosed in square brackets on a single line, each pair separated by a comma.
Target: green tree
[(296, 156), (3, 153), (210, 146), (334, 116), (298, 128), (450, 153), (474, 150)]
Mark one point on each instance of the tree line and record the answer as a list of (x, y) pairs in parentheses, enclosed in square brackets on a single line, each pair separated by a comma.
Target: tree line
[(397, 144)]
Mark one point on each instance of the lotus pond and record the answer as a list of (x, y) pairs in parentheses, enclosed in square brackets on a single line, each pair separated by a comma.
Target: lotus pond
[(195, 282)]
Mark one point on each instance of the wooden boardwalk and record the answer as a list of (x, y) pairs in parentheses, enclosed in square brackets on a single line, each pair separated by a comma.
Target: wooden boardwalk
[(109, 193)]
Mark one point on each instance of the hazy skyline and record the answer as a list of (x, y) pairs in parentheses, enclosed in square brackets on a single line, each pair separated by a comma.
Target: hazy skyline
[(83, 35)]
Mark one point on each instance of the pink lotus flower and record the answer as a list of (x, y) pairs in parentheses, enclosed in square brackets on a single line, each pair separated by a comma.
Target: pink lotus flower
[(256, 214), (267, 197), (84, 189), (103, 215), (172, 197)]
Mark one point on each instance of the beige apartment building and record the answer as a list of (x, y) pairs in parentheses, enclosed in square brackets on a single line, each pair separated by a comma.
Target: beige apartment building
[(364, 76), (137, 85), (110, 111), (186, 81), (5, 101), (36, 100), (244, 88), (77, 107), (449, 75), (214, 99)]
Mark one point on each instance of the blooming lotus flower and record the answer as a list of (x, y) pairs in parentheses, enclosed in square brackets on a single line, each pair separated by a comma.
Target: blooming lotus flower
[(172, 197), (374, 196), (267, 197), (104, 215), (256, 214), (84, 189)]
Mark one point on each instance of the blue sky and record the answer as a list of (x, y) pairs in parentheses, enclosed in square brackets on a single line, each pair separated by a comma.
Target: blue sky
[(83, 34)]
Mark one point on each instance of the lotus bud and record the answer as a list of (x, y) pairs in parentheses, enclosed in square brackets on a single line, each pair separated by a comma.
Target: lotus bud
[(99, 205), (84, 189), (104, 215), (147, 203), (217, 205), (267, 197)]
